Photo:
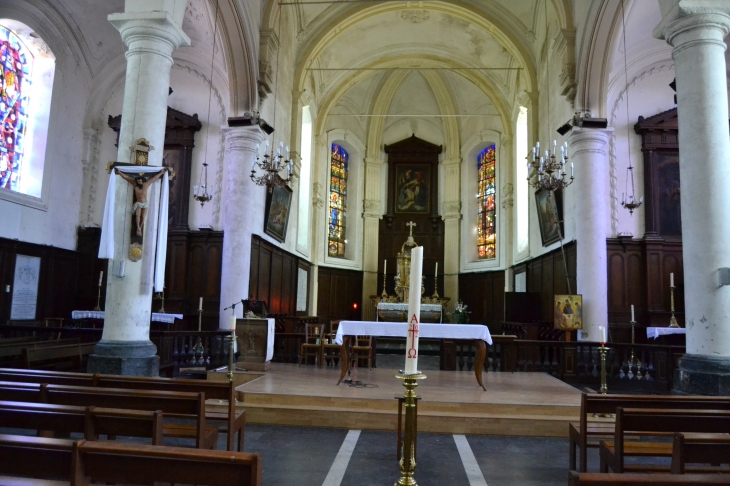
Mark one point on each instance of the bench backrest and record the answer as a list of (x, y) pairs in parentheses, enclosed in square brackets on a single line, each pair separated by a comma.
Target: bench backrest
[(28, 356), (706, 450), (630, 479), (141, 464), (20, 392), (19, 456)]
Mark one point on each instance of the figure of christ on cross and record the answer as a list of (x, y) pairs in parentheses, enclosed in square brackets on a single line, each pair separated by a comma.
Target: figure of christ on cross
[(413, 331), (139, 208)]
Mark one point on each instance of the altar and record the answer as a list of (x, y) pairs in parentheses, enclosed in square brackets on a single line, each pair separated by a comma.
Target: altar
[(396, 312)]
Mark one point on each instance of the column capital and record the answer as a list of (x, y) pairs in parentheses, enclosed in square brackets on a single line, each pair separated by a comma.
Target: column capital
[(149, 32), (243, 138), (373, 161), (685, 16), (593, 140), (453, 161)]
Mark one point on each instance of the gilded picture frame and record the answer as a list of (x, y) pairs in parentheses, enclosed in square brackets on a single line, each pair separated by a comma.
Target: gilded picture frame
[(568, 312), (278, 208)]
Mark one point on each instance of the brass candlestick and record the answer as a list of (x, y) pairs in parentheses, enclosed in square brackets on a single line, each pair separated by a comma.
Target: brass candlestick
[(407, 463), (672, 320), (384, 295), (161, 296), (435, 288), (98, 298), (602, 350), (198, 349), (633, 341), (231, 339)]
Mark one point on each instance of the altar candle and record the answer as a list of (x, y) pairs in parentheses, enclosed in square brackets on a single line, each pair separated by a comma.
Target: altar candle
[(101, 277), (632, 313), (602, 332), (414, 310), (233, 323), (385, 267), (671, 280), (200, 305), (436, 274)]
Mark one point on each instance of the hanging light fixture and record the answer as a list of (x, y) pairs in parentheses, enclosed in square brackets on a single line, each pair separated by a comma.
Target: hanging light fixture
[(631, 203), (269, 163), (202, 185)]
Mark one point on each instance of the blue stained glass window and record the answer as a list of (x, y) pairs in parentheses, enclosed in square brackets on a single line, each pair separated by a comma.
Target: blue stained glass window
[(336, 240), (486, 203)]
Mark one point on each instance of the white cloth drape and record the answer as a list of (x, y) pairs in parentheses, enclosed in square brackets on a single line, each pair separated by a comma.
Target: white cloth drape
[(400, 329), (106, 247)]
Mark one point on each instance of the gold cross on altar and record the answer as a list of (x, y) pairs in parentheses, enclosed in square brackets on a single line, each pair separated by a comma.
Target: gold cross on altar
[(411, 225)]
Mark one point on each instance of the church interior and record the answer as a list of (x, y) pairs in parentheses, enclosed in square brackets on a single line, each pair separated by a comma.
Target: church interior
[(213, 210)]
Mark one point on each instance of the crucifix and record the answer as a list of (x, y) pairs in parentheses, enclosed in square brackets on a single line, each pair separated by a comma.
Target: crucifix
[(410, 225), (413, 331)]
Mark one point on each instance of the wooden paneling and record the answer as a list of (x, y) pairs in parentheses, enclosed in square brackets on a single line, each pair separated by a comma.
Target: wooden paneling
[(338, 291), (57, 283), (274, 277), (483, 293), (546, 276)]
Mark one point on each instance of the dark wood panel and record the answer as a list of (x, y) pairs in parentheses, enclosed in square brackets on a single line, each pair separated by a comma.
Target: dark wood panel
[(483, 293), (339, 293)]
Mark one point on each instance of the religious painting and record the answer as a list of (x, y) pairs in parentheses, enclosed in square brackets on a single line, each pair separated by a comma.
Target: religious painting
[(568, 312), (412, 188), (548, 216), (278, 205)]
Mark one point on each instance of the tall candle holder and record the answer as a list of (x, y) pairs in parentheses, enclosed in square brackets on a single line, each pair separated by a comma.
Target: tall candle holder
[(435, 288), (407, 463), (384, 295), (603, 350), (633, 341), (161, 296), (199, 349), (672, 320), (231, 352), (98, 298)]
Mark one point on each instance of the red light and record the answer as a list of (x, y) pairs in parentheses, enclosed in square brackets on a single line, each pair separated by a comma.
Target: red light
[(354, 306)]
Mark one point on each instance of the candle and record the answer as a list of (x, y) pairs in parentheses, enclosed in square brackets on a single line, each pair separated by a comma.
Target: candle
[(385, 267), (632, 313), (101, 277), (671, 280), (233, 323), (414, 310), (566, 148), (200, 305), (602, 332), (437, 270), (571, 170)]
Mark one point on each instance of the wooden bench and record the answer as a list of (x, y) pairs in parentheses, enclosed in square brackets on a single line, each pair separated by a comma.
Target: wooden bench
[(235, 420), (634, 479), (584, 434), (643, 421), (36, 457), (172, 404), (143, 465), (53, 355), (13, 348), (90, 421), (713, 450)]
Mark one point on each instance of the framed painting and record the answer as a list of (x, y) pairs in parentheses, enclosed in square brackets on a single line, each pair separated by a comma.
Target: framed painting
[(412, 188), (549, 216), (568, 312), (278, 205)]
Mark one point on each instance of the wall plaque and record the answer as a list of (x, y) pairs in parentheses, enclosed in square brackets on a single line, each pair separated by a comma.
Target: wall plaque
[(25, 287)]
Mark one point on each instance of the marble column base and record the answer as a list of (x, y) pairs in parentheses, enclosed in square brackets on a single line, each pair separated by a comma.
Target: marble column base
[(130, 358), (702, 375)]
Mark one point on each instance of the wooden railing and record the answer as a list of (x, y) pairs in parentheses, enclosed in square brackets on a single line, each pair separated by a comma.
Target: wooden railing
[(289, 336)]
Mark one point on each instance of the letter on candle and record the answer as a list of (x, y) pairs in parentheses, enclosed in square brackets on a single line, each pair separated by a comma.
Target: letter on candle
[(671, 280), (233, 322), (632, 312), (414, 310), (200, 306), (101, 277)]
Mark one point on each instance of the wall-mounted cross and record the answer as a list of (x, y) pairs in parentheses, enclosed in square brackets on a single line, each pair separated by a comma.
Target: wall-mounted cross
[(411, 225)]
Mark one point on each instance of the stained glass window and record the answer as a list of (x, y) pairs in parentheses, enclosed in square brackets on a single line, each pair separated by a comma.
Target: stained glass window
[(338, 201), (15, 70), (487, 208)]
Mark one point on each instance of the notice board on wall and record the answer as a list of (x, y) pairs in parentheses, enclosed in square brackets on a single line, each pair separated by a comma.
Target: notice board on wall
[(25, 287)]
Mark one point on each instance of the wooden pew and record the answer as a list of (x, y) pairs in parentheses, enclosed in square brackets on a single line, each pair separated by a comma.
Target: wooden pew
[(13, 348), (642, 421), (143, 465), (90, 421), (172, 404), (714, 449), (53, 355), (634, 479), (36, 457), (584, 434), (235, 420)]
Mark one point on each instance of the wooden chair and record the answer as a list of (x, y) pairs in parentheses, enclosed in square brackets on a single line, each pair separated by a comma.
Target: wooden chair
[(363, 349), (312, 345), (331, 350)]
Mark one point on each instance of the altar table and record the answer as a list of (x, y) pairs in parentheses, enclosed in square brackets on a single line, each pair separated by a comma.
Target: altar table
[(156, 316), (476, 332), (655, 332)]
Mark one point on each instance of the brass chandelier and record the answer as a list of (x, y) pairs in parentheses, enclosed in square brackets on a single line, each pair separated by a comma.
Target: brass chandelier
[(272, 165)]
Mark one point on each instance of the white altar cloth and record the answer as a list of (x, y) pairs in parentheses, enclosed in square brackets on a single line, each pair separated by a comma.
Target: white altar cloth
[(399, 329), (156, 316), (655, 332)]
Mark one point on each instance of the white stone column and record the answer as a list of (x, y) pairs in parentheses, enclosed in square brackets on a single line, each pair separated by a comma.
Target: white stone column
[(151, 37), (372, 215), (244, 215), (589, 154), (696, 31), (452, 230)]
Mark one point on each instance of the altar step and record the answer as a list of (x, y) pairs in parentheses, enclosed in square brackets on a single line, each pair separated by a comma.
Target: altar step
[(433, 416)]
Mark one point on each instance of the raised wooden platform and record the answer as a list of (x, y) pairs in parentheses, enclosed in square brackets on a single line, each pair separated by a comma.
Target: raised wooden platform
[(518, 404)]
